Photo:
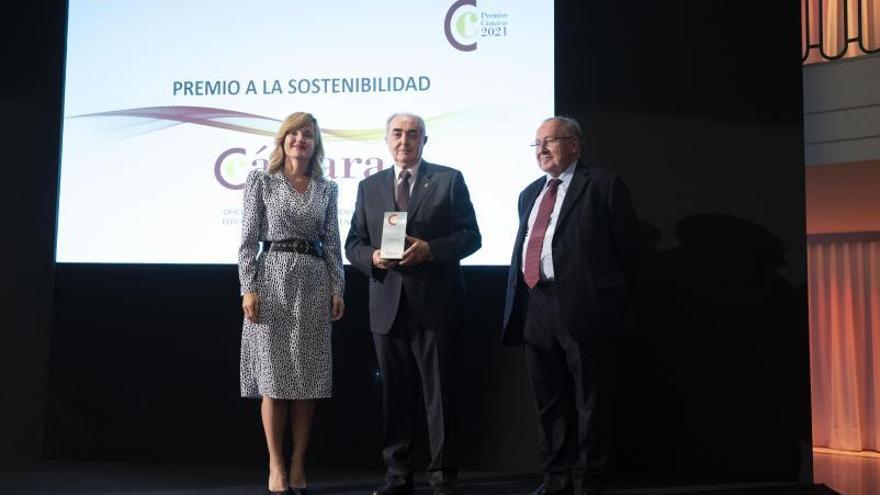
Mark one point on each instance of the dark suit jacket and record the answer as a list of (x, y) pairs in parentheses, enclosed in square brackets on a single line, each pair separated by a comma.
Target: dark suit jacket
[(440, 212), (594, 252)]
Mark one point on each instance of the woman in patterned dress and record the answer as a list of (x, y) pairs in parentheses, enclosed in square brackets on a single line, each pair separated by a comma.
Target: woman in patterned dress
[(290, 291)]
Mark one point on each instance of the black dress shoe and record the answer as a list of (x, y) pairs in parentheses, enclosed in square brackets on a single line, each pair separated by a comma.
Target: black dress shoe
[(542, 490), (389, 488), (592, 486)]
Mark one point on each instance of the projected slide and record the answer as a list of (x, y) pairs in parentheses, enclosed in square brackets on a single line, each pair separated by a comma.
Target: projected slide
[(169, 104)]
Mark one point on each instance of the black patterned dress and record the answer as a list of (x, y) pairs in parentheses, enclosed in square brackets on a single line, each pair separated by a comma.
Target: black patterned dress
[(287, 355)]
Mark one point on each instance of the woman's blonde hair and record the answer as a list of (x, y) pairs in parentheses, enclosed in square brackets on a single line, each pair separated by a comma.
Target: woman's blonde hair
[(295, 122)]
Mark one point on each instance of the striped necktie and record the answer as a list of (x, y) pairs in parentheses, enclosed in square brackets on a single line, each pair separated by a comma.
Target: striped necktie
[(403, 191), (532, 270)]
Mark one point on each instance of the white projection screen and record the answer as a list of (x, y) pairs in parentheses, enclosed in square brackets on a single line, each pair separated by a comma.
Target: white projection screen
[(169, 105)]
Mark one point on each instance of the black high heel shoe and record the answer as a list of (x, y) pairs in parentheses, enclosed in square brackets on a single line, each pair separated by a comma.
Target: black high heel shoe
[(302, 490), (278, 492)]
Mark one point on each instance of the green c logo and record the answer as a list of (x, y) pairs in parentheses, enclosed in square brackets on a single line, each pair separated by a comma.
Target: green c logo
[(461, 25)]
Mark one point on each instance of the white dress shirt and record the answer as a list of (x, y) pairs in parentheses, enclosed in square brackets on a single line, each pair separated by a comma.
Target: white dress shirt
[(547, 247)]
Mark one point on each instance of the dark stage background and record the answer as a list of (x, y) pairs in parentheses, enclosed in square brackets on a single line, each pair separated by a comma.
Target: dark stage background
[(696, 104)]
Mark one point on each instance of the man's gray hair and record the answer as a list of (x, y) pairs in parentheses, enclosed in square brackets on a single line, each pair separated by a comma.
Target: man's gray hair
[(418, 118), (570, 124)]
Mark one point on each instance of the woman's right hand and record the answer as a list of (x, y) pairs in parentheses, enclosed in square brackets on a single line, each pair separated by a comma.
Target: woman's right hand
[(250, 303)]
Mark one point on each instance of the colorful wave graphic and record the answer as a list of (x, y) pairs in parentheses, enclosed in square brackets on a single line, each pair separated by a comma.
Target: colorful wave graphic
[(137, 121)]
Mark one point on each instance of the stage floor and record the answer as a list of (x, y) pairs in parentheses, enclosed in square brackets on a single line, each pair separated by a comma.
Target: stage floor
[(57, 478), (848, 474)]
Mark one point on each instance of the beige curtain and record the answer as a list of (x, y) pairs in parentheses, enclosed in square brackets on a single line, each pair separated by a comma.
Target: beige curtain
[(840, 22), (844, 286)]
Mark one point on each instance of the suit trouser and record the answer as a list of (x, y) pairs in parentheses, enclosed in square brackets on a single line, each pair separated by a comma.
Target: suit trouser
[(573, 388), (409, 356)]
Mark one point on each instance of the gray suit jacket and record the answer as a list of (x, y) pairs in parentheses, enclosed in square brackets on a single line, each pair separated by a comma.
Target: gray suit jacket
[(440, 212)]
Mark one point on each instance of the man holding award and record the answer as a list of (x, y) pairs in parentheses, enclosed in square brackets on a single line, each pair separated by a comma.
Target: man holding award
[(411, 225)]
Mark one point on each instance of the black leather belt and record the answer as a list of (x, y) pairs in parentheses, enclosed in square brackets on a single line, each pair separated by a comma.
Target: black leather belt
[(301, 246)]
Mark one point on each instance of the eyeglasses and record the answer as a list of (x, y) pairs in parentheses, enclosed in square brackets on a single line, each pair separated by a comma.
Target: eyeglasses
[(539, 143)]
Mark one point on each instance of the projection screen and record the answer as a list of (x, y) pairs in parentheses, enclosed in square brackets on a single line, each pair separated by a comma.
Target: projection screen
[(169, 105)]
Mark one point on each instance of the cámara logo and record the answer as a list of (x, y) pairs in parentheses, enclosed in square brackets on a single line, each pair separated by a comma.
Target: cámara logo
[(232, 167), (464, 24)]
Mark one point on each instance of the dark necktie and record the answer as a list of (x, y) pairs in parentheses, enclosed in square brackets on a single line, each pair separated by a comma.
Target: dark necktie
[(532, 271), (403, 191)]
